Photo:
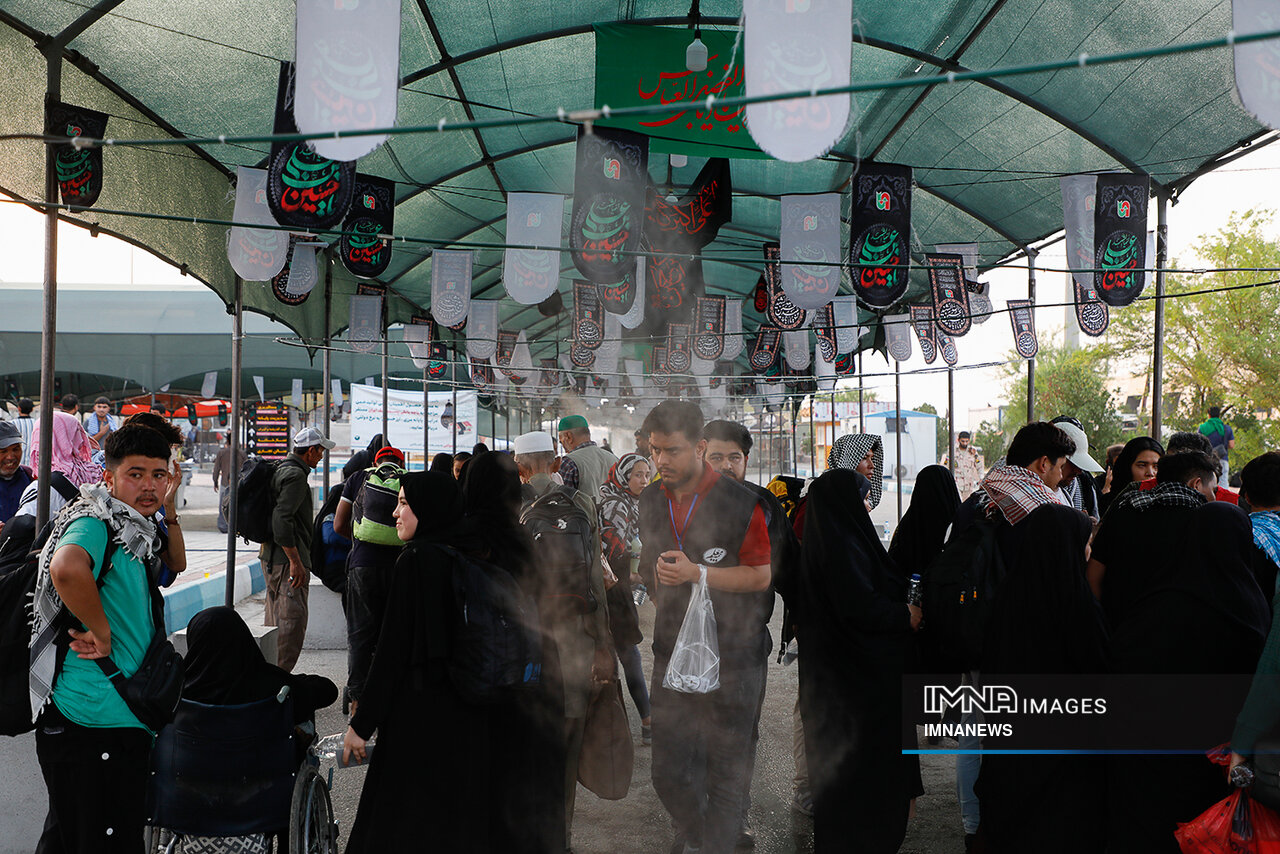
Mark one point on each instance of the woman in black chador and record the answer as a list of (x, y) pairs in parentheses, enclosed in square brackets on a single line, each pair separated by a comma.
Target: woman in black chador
[(854, 628)]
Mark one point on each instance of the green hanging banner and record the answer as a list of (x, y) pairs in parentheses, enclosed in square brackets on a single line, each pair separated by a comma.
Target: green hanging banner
[(637, 64)]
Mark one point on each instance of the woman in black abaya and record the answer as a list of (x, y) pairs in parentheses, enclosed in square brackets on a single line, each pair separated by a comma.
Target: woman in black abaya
[(923, 529), (1207, 615), (854, 628), (1139, 461), (1045, 621), (431, 781)]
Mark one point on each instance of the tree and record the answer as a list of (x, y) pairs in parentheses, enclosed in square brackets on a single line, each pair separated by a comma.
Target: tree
[(944, 429), (1068, 382)]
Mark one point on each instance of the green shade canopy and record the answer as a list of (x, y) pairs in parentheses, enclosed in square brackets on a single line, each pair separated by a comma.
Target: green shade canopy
[(987, 154)]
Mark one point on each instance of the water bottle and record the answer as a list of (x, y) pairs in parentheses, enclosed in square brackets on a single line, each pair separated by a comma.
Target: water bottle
[(640, 594), (914, 590)]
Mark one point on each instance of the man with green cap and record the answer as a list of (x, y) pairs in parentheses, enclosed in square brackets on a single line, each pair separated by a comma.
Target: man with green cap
[(585, 466)]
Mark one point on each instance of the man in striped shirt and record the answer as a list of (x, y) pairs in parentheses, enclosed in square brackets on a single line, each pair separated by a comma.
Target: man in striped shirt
[(26, 427)]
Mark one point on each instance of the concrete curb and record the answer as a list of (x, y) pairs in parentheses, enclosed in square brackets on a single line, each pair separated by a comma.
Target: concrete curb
[(184, 602)]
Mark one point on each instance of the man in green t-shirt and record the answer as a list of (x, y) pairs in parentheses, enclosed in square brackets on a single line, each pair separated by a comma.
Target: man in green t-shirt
[(93, 751)]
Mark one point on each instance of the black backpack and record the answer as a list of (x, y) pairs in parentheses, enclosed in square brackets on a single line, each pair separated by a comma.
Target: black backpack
[(959, 590), (496, 651), (563, 541), (19, 565), (332, 575), (255, 500)]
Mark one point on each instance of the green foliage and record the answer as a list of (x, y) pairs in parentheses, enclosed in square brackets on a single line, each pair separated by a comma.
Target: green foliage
[(944, 429), (992, 440), (1068, 382)]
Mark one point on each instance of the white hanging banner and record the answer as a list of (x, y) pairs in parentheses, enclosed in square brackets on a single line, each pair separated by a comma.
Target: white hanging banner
[(450, 285), (348, 72), (258, 384), (418, 338), (824, 371), (635, 315), (405, 429), (897, 333), (610, 349), (482, 329), (256, 254), (700, 367), (775, 394), (733, 342), (337, 392), (635, 375), (533, 219), (521, 359), (790, 47), (365, 327), (210, 385), (1078, 200), (796, 346), (302, 274), (1257, 64), (297, 393), (845, 314), (810, 240)]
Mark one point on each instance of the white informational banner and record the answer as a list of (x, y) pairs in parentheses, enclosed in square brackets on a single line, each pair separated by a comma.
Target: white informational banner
[(404, 418)]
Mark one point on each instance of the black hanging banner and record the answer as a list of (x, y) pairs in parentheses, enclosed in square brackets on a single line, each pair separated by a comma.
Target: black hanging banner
[(709, 343), (922, 322), (1120, 236), (1023, 317), (506, 348), (673, 280), (658, 367), (372, 212), (304, 190), (780, 311), (846, 364), (583, 357), (608, 203), (437, 350), (760, 298), (482, 375), (1091, 313), (588, 318), (824, 326), (79, 170), (678, 347), (880, 225), (765, 348), (947, 347), (552, 376), (950, 296)]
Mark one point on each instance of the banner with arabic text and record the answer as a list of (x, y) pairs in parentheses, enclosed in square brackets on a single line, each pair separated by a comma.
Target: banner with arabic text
[(1120, 236), (880, 233), (810, 242), (609, 187)]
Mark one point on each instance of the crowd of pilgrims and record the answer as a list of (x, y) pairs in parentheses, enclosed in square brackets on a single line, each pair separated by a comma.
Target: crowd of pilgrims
[(1149, 568)]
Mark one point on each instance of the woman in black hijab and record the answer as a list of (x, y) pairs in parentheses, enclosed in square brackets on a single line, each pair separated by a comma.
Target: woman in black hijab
[(1045, 621), (854, 628), (225, 667), (1137, 462), (442, 462), (411, 703), (362, 459), (1206, 615), (923, 529)]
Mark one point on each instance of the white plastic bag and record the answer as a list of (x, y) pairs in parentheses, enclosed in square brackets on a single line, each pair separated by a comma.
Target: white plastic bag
[(695, 661)]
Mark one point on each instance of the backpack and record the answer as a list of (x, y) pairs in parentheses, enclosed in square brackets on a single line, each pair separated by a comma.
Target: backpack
[(332, 574), (19, 566), (563, 542), (959, 590), (255, 499), (374, 505), (496, 650)]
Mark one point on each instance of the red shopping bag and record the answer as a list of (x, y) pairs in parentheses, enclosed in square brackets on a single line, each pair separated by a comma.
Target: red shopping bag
[(1235, 825)]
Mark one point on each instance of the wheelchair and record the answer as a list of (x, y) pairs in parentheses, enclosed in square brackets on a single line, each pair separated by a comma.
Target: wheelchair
[(236, 779)]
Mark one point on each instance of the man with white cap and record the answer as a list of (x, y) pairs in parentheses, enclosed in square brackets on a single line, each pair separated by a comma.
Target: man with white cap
[(286, 557), (1077, 488), (577, 649)]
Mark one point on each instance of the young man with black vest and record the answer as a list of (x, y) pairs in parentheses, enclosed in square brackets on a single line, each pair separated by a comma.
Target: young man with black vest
[(696, 524)]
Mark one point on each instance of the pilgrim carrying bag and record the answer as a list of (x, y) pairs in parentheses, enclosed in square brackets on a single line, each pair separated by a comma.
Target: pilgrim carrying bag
[(608, 755), (959, 588), (695, 660)]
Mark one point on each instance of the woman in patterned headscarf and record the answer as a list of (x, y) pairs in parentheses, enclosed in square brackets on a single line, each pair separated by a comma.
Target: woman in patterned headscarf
[(619, 514), (864, 453)]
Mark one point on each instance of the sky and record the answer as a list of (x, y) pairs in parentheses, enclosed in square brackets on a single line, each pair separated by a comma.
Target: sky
[(1247, 183)]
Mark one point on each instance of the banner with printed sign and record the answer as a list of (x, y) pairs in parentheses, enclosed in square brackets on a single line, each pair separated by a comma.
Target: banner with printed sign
[(897, 334), (658, 370), (372, 213), (780, 310), (947, 347), (824, 370), (582, 357), (405, 427), (950, 296), (256, 254), (365, 328), (588, 317), (1023, 317), (482, 329), (533, 219), (795, 345), (1120, 236), (709, 343), (607, 221), (1078, 201), (844, 311), (79, 170), (300, 273), (305, 189), (505, 350), (797, 47), (679, 347), (926, 333), (824, 327), (450, 285), (810, 242), (765, 348), (482, 375), (880, 230)]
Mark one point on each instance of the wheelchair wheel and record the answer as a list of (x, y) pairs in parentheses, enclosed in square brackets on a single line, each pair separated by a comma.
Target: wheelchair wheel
[(311, 826)]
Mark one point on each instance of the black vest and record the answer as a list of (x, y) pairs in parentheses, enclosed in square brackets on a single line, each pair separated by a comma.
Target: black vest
[(713, 537)]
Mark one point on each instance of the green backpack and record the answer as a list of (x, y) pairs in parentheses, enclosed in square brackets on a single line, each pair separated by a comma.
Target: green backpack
[(375, 504)]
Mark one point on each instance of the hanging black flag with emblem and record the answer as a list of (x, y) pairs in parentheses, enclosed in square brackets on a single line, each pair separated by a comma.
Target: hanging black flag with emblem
[(609, 190), (824, 326), (79, 170), (765, 348), (588, 318), (372, 212), (922, 322), (678, 347), (304, 190), (709, 343), (780, 310), (1023, 317), (950, 296), (1120, 236), (880, 229)]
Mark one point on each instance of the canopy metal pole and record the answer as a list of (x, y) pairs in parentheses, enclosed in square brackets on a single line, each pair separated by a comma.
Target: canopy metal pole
[(813, 439), (1157, 361), (426, 420), (1031, 363), (455, 419), (49, 328), (795, 466), (951, 421), (237, 343), (328, 366), (385, 325), (862, 418), (897, 429)]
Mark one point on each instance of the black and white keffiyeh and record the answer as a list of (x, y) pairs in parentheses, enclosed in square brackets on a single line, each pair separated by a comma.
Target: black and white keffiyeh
[(847, 451), (1164, 495)]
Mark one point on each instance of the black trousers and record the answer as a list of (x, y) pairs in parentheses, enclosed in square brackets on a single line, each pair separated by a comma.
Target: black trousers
[(97, 781)]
